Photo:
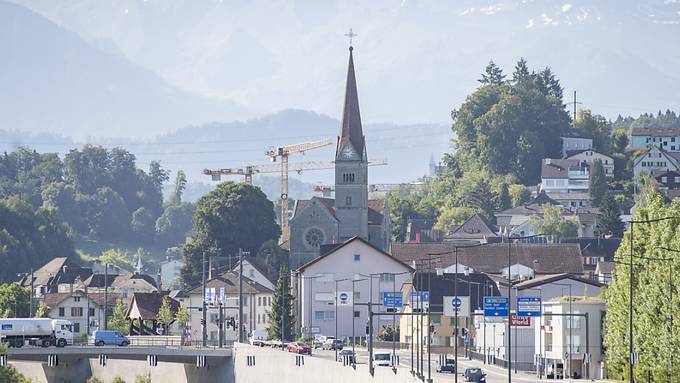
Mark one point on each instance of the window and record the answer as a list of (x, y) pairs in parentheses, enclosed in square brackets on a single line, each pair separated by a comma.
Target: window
[(314, 237), (91, 311), (357, 295), (125, 294), (664, 179), (259, 302), (672, 139), (324, 315), (386, 277), (61, 311), (665, 143), (76, 327), (357, 314), (348, 177), (258, 318), (677, 180), (672, 147), (357, 257), (76, 311), (269, 300), (214, 317), (76, 299), (348, 201)]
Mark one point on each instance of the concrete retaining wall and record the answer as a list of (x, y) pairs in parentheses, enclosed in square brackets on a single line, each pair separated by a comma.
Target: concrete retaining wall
[(279, 366)]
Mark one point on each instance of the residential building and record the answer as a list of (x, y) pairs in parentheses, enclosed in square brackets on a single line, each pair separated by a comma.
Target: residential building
[(474, 286), (85, 311), (567, 339), (45, 278), (668, 138), (363, 272), (320, 221), (604, 272), (595, 251), (143, 313), (655, 160), (422, 230), (256, 273), (571, 145), (564, 176), (170, 272), (475, 229), (590, 156), (223, 293), (669, 180)]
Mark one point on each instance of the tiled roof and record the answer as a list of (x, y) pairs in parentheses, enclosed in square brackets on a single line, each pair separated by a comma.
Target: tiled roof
[(329, 203), (100, 280), (148, 305), (656, 132), (550, 278), (492, 258), (605, 267), (122, 279), (45, 275), (559, 168), (229, 281), (594, 247), (376, 207), (475, 226)]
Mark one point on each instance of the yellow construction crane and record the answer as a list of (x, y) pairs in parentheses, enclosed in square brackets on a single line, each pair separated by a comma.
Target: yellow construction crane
[(284, 152), (249, 170)]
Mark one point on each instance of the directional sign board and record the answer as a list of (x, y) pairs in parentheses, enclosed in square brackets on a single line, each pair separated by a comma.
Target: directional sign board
[(529, 306), (453, 305), (344, 298), (420, 298), (496, 306), (518, 321), (392, 299)]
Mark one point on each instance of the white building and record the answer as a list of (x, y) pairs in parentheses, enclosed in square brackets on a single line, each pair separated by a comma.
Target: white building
[(668, 138), (257, 301), (563, 337), (655, 160), (170, 273), (564, 176), (85, 311), (574, 144), (590, 156), (362, 272), (255, 273)]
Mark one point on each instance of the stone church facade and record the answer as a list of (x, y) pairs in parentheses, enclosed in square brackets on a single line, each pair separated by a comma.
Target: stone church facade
[(322, 221)]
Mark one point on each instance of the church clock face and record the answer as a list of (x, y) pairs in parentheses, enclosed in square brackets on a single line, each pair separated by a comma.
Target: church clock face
[(347, 152), (314, 237)]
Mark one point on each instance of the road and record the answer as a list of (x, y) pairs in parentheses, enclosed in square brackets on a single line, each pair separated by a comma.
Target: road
[(494, 374)]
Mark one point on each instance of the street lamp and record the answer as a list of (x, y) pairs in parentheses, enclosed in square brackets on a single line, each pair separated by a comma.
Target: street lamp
[(354, 281)]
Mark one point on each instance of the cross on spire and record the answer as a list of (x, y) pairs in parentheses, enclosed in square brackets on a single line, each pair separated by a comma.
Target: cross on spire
[(351, 36)]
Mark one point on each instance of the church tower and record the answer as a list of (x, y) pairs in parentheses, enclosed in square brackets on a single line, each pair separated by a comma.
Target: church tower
[(351, 166)]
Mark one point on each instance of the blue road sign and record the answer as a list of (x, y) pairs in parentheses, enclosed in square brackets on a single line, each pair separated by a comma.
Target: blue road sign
[(496, 307), (456, 302), (529, 306), (424, 295), (392, 299)]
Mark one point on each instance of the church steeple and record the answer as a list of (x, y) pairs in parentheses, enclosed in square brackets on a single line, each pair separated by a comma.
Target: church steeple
[(351, 131)]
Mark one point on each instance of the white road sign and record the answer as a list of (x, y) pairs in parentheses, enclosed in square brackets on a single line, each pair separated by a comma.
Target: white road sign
[(453, 304)]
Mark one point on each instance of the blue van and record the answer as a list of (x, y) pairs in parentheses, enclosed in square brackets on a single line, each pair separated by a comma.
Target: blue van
[(104, 337)]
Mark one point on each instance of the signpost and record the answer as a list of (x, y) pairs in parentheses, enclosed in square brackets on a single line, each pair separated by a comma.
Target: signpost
[(529, 306), (456, 305), (344, 298), (420, 296), (519, 321), (392, 299), (496, 307)]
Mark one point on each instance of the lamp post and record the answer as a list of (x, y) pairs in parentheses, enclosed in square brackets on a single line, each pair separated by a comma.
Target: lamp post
[(354, 281)]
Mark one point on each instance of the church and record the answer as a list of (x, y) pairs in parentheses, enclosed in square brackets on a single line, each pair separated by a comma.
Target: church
[(326, 221)]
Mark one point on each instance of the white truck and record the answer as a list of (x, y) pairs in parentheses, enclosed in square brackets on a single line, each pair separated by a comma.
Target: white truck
[(37, 331)]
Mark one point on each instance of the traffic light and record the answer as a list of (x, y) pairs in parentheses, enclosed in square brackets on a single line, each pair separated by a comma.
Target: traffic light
[(202, 322)]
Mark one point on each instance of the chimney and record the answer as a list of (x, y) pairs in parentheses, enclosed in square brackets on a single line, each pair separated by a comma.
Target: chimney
[(547, 161)]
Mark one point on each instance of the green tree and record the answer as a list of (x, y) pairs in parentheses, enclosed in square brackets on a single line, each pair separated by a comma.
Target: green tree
[(180, 186), (10, 375), (117, 319), (174, 223), (230, 217), (652, 294), (619, 141), (609, 219), (519, 194), (280, 310), (597, 183), (271, 256), (117, 379), (182, 316), (14, 301), (110, 218), (493, 75), (165, 316), (143, 225), (403, 207), (451, 217), (504, 201), (143, 378), (553, 224), (596, 127), (41, 311), (118, 258), (93, 379)]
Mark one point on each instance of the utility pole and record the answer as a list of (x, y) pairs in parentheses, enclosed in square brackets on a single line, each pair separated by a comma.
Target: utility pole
[(509, 348), (204, 323), (240, 295), (30, 312), (106, 296), (575, 109)]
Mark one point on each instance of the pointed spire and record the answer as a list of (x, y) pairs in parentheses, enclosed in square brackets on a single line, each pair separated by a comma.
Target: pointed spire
[(351, 130)]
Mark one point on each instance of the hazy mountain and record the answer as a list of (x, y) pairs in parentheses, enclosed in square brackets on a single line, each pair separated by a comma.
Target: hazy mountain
[(416, 60), (53, 81)]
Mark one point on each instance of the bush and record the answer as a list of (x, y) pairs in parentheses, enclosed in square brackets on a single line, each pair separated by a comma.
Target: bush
[(143, 378), (92, 379), (11, 375), (117, 379)]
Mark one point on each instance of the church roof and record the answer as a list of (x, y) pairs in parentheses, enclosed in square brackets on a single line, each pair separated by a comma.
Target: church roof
[(329, 203), (351, 131), (376, 208)]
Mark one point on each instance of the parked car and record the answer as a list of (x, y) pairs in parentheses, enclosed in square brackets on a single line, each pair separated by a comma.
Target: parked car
[(448, 366), (299, 348), (382, 359), (319, 340), (347, 353), (474, 375), (104, 337), (332, 344)]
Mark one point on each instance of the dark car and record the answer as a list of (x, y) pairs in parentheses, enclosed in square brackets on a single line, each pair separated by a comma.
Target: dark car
[(474, 375), (448, 366), (332, 344), (299, 348), (347, 354)]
